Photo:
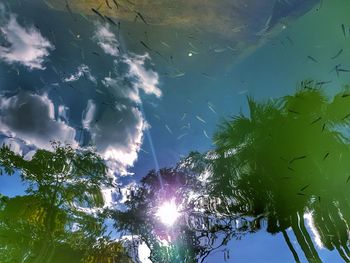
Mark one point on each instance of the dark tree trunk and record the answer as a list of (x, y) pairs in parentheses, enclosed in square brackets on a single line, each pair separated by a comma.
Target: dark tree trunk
[(290, 246)]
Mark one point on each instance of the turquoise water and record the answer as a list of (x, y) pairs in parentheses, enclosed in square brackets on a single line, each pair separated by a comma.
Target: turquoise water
[(94, 85)]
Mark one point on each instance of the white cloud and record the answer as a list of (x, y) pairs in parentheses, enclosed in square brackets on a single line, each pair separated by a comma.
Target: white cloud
[(63, 112), (311, 224), (106, 40), (83, 70), (117, 133), (88, 114), (30, 118), (26, 46), (13, 144), (144, 79), (136, 77), (119, 90), (117, 130)]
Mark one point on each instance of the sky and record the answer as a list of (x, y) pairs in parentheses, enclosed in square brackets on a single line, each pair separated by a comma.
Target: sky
[(145, 95)]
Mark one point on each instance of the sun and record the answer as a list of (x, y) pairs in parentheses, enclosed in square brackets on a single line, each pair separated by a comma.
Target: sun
[(168, 213)]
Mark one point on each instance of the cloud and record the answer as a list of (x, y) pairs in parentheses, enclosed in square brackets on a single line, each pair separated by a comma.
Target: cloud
[(82, 71), (24, 46), (106, 40), (31, 118), (135, 77), (116, 132), (88, 114), (144, 79)]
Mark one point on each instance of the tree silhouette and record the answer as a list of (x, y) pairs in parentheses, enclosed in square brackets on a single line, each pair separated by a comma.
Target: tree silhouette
[(60, 218), (195, 233), (289, 157)]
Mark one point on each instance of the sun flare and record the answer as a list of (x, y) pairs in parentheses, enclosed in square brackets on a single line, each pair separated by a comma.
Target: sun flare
[(168, 213)]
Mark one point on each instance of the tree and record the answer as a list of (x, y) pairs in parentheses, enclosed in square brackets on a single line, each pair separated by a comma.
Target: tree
[(191, 238), (289, 157), (62, 208)]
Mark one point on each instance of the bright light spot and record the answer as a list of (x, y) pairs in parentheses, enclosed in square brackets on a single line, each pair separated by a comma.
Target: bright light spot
[(144, 253), (168, 213), (311, 224), (190, 54)]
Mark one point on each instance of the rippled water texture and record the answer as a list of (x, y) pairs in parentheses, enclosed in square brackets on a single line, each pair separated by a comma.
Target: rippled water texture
[(174, 131)]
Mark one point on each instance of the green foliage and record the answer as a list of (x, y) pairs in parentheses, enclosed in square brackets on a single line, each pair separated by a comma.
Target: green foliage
[(61, 211), (289, 157), (139, 218)]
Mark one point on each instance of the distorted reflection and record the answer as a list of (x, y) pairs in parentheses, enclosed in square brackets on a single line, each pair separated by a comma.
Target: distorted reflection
[(289, 157), (117, 145)]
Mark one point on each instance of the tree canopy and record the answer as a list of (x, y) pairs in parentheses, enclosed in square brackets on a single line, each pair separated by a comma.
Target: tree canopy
[(61, 216), (289, 157)]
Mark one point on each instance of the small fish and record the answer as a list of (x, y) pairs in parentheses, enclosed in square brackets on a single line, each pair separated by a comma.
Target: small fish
[(290, 168), (336, 68), (99, 91), (343, 70), (186, 127), (130, 2), (290, 40), (181, 136), (231, 48), (140, 16), (312, 59), (219, 50), (98, 13), (108, 5), (338, 54), (169, 130), (207, 75), (242, 92), (323, 127), (325, 156), (95, 53), (318, 119), (165, 44), (319, 199), (178, 75), (205, 134), (345, 95), (83, 16), (200, 119), (300, 194), (183, 116), (144, 151), (192, 46), (69, 10), (145, 45), (320, 83), (346, 116), (116, 3), (110, 20), (306, 186), (293, 111), (343, 29), (239, 28), (297, 158), (211, 107)]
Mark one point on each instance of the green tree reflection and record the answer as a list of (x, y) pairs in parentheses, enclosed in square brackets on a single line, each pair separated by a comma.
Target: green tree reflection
[(58, 219), (195, 234), (289, 157)]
